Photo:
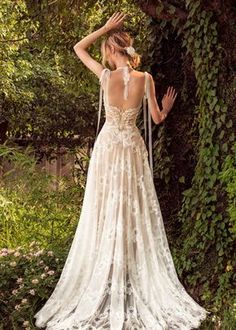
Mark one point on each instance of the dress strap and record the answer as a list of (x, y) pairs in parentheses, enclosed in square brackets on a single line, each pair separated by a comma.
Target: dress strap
[(145, 109), (102, 79)]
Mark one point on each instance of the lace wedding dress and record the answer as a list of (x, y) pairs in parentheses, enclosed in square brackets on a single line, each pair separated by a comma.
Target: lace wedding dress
[(119, 273)]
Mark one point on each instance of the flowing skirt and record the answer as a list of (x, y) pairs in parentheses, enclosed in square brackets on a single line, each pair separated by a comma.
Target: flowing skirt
[(119, 273)]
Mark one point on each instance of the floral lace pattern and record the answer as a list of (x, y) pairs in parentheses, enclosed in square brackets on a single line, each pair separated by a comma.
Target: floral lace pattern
[(119, 273)]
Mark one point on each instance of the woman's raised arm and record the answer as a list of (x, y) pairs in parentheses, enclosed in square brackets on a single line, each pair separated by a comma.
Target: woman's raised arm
[(80, 47)]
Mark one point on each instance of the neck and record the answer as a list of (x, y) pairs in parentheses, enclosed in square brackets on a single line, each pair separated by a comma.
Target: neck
[(123, 65)]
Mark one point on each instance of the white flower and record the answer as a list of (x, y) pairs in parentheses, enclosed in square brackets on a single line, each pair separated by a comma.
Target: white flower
[(43, 276), (32, 292), (24, 301), (130, 50), (26, 323), (35, 281), (14, 292), (39, 253), (50, 253), (19, 280), (51, 272), (17, 254), (17, 307), (13, 264)]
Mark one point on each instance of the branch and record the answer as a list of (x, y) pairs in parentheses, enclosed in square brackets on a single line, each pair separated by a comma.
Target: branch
[(14, 40)]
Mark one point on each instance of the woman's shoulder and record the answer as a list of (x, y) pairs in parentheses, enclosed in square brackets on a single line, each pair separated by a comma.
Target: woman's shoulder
[(105, 71), (141, 73)]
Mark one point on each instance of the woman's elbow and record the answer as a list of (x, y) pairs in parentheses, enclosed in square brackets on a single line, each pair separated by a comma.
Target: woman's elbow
[(157, 119), (157, 122), (77, 47)]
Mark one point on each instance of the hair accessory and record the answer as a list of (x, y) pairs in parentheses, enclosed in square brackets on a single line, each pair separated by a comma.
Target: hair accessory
[(130, 50)]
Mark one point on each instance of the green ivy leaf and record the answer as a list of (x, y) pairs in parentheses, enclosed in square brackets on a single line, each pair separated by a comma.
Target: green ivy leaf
[(159, 8), (229, 123), (225, 147), (182, 179), (171, 9), (221, 134)]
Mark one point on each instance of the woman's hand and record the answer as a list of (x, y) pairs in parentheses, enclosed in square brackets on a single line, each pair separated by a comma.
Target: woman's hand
[(168, 99), (115, 21)]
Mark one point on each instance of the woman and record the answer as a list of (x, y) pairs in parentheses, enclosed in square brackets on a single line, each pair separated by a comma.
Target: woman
[(119, 273)]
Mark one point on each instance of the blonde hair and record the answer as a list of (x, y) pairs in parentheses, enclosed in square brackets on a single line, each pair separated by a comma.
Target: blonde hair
[(119, 40)]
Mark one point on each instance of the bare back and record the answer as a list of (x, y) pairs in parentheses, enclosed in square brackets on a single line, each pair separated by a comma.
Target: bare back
[(124, 91), (133, 81)]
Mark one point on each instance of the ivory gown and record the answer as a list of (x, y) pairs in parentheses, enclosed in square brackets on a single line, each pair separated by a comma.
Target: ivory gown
[(119, 273)]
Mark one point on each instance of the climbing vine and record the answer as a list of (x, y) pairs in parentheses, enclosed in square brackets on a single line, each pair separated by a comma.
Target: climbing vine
[(205, 220)]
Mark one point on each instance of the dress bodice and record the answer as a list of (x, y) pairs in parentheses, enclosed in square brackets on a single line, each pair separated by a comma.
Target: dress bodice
[(124, 120), (121, 119)]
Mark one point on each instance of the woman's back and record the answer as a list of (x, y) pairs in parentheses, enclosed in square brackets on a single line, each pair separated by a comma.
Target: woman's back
[(124, 88)]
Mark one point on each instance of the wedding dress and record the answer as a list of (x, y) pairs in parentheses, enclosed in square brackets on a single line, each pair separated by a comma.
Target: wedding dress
[(119, 273)]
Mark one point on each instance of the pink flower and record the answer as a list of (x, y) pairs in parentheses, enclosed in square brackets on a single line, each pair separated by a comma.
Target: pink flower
[(17, 254)]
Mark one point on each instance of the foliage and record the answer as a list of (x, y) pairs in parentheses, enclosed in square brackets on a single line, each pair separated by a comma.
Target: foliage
[(28, 277), (228, 178), (207, 225), (48, 95), (35, 205)]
